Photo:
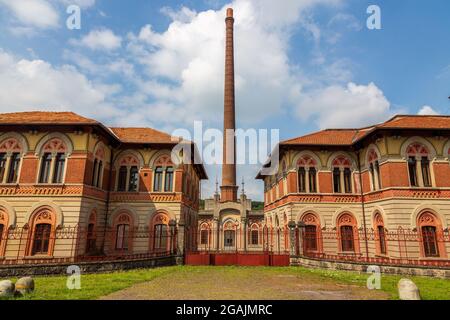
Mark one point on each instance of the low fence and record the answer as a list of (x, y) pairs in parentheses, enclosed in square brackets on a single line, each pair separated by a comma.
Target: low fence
[(44, 245), (415, 248)]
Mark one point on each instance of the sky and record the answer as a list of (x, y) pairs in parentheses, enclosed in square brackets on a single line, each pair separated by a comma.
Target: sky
[(301, 65)]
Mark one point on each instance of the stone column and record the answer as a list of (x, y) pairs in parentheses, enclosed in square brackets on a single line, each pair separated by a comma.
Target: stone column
[(244, 234), (292, 226), (307, 188), (341, 179), (419, 172), (52, 168)]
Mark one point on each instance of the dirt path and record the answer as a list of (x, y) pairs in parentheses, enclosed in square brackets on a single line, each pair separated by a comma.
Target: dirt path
[(243, 284)]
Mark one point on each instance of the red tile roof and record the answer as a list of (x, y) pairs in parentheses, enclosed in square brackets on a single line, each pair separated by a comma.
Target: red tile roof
[(42, 117), (143, 135), (418, 122), (325, 137), (346, 137)]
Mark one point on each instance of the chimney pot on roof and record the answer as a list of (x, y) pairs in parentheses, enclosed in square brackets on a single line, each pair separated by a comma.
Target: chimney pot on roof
[(229, 13)]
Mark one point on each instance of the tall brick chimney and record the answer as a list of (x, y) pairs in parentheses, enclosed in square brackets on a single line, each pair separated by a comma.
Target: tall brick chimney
[(229, 187)]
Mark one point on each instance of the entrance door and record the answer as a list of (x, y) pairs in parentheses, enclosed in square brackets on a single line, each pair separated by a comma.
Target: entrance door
[(229, 239)]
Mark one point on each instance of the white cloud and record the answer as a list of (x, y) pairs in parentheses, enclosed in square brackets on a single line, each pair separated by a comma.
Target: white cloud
[(101, 39), (36, 13), (37, 85), (351, 106), (190, 54), (427, 111)]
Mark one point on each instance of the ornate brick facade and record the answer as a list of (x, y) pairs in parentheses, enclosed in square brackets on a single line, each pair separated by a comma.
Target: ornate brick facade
[(71, 187), (377, 192)]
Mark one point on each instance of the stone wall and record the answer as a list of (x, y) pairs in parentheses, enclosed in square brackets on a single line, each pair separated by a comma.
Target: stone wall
[(87, 267), (362, 267)]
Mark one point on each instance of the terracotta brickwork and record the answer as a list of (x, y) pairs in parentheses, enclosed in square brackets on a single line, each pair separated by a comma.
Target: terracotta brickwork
[(403, 169), (63, 184)]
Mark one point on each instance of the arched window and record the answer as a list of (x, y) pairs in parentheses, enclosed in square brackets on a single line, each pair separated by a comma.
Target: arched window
[(418, 165), (97, 170), (164, 175), (348, 233), (10, 158), (342, 175), (42, 232), (254, 234), (123, 235), (307, 175), (168, 180), (374, 170), (53, 161), (161, 232), (128, 177), (229, 235), (204, 234), (91, 236), (380, 234), (431, 233), (157, 181), (312, 233)]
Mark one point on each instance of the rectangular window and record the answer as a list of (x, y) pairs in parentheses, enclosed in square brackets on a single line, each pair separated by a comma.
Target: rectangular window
[(99, 174), (348, 180), (46, 162), (94, 173), (426, 172), (14, 168), (41, 239), (161, 235), (204, 237), (168, 181), (134, 177), (430, 244), (122, 237), (312, 180), (2, 166), (157, 183), (90, 244), (122, 182), (301, 180), (337, 180), (382, 240), (412, 172), (229, 236), (372, 176), (310, 238), (59, 168), (347, 240), (255, 237)]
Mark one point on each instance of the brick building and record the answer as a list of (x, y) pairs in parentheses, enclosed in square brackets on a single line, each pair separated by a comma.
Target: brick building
[(376, 192), (71, 186)]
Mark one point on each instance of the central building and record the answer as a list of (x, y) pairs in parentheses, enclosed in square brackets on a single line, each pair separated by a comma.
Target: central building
[(227, 222)]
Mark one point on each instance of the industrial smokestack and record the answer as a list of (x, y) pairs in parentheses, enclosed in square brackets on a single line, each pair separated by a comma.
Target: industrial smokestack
[(229, 188)]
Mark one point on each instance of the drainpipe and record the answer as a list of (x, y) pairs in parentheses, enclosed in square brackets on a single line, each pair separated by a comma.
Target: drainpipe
[(362, 202), (108, 196)]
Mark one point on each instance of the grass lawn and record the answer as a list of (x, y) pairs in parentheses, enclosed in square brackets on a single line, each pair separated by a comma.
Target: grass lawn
[(277, 283)]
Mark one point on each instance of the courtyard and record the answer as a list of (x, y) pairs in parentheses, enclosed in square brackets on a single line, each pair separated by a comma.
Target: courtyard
[(231, 283)]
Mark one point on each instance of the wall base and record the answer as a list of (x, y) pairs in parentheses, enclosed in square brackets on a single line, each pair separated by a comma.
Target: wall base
[(362, 267)]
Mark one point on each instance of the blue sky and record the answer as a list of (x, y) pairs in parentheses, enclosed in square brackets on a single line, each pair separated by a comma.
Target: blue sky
[(301, 65)]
